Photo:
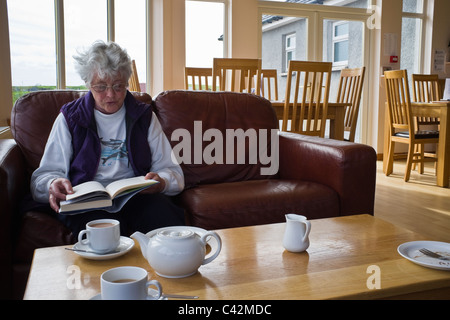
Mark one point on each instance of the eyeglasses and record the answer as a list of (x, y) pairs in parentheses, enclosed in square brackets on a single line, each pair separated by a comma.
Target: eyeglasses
[(99, 88)]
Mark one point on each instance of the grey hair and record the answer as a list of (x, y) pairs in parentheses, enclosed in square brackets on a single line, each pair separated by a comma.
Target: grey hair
[(107, 60)]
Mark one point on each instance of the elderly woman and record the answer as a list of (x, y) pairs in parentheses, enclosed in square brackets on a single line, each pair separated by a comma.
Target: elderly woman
[(105, 136)]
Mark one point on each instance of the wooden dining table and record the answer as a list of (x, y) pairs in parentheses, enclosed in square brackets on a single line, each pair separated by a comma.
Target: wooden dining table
[(335, 113), (438, 109)]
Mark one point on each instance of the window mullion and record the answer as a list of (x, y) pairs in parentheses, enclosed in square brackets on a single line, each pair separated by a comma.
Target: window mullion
[(60, 45), (111, 21)]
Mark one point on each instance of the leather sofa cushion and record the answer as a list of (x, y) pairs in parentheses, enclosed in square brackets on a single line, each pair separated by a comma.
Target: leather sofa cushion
[(234, 204), (199, 111)]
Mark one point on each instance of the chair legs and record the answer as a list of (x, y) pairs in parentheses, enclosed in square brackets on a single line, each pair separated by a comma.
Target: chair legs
[(390, 164), (416, 155), (409, 161)]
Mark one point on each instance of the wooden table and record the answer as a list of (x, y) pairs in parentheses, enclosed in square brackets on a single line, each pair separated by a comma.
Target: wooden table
[(336, 115), (254, 265), (439, 110)]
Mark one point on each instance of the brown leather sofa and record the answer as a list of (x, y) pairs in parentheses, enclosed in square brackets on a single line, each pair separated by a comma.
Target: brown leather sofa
[(317, 177)]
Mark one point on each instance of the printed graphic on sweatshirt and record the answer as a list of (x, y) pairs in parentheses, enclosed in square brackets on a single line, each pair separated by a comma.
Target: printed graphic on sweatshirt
[(113, 150)]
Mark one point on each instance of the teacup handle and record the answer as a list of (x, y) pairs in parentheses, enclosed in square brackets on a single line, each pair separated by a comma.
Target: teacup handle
[(158, 286), (219, 245), (80, 237)]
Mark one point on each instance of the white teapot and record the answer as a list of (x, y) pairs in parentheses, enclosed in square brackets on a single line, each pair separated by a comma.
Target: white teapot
[(176, 252)]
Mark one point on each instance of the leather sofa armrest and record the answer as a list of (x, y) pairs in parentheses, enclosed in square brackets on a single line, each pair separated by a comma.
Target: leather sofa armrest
[(13, 184), (13, 178), (348, 168)]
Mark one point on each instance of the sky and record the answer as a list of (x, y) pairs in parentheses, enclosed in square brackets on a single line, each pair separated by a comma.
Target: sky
[(32, 36)]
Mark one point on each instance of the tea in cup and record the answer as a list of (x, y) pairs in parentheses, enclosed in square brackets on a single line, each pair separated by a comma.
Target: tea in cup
[(102, 235), (128, 283)]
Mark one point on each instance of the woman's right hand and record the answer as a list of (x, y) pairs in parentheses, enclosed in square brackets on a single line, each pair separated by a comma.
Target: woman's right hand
[(58, 190)]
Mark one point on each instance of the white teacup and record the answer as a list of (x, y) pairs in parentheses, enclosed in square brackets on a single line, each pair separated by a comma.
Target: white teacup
[(128, 283), (102, 235)]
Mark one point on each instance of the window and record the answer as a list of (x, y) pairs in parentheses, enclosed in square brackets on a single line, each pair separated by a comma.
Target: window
[(413, 6), (204, 32), (412, 31), (32, 43), (340, 43), (132, 35), (85, 21), (290, 45)]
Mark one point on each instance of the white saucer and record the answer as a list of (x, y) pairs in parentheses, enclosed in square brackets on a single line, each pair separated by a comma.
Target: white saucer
[(151, 294), (125, 245), (410, 251)]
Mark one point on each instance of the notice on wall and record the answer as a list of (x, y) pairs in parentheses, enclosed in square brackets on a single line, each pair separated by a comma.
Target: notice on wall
[(447, 89), (390, 44), (439, 60)]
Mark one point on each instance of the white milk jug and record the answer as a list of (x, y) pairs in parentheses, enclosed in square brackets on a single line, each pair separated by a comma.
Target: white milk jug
[(296, 233)]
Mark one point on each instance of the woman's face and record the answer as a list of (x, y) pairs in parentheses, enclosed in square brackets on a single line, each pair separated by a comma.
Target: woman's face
[(109, 94)]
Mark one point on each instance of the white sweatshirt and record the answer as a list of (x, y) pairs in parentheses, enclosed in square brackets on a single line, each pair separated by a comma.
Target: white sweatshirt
[(55, 162)]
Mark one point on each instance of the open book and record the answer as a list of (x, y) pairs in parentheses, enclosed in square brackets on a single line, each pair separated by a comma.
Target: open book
[(92, 195)]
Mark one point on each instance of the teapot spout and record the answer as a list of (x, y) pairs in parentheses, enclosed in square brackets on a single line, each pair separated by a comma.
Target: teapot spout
[(143, 242)]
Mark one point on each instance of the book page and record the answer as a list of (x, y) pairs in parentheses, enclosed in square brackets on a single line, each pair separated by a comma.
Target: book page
[(85, 188), (116, 187)]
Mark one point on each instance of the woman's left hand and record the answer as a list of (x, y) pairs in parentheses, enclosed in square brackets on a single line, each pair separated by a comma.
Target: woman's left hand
[(157, 188)]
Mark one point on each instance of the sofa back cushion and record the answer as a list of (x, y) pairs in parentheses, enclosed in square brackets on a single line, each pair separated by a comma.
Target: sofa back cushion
[(32, 119), (202, 127)]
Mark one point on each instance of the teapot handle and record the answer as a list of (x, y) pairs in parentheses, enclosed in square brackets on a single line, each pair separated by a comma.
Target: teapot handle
[(219, 245)]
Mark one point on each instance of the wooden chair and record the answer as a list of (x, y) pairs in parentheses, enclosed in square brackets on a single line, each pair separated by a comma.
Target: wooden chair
[(310, 99), (200, 78), (133, 83), (267, 76), (350, 89), (401, 124), (426, 88), (246, 71)]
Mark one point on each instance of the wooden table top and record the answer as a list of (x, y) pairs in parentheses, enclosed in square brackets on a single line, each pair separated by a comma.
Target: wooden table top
[(254, 265)]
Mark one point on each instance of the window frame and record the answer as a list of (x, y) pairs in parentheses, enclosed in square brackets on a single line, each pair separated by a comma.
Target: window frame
[(339, 39), (289, 49), (423, 20)]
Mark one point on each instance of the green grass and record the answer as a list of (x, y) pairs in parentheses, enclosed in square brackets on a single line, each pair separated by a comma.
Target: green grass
[(19, 91)]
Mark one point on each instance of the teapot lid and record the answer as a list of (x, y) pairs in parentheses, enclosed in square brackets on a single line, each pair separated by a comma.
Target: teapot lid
[(175, 233)]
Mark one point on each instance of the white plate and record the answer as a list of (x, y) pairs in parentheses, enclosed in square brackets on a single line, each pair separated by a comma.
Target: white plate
[(125, 245), (410, 251), (151, 294)]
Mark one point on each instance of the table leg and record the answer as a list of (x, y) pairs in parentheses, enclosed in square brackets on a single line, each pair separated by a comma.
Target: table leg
[(443, 170), (337, 124), (386, 140)]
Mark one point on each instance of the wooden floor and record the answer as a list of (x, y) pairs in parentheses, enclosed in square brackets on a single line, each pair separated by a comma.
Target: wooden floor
[(418, 205)]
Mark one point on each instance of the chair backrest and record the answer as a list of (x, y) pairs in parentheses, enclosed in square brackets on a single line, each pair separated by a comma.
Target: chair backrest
[(308, 106), (350, 89), (246, 71), (426, 88), (133, 83), (269, 76), (200, 78), (398, 101)]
